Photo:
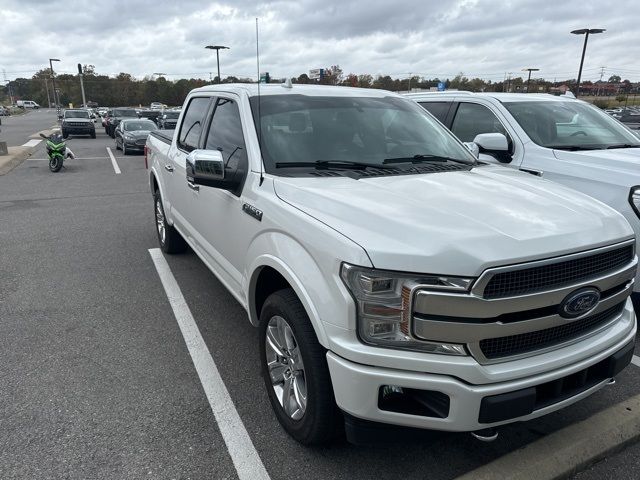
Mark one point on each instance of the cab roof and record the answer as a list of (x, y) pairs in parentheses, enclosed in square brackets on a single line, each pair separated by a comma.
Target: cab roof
[(251, 89), (500, 96)]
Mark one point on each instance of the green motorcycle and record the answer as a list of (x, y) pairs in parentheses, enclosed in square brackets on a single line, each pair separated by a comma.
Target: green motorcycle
[(57, 151)]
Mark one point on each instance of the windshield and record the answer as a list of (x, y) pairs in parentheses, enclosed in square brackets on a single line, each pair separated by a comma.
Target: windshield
[(172, 114), (367, 130), (124, 113), (76, 114), (569, 125), (141, 125)]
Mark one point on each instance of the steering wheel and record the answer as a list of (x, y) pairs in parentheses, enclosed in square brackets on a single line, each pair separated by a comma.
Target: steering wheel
[(580, 132)]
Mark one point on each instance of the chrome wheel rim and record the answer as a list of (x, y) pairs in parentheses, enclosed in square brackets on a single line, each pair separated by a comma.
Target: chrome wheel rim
[(160, 221), (285, 367)]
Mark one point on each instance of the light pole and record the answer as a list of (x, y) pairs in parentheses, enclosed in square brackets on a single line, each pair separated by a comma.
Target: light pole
[(55, 90), (529, 78), (217, 48), (586, 32)]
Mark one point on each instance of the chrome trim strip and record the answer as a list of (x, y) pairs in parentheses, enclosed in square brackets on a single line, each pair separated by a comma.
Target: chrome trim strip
[(476, 352), (428, 302), (467, 332), (487, 275)]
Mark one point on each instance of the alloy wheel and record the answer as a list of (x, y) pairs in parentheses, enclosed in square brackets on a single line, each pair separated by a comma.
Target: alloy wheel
[(286, 368)]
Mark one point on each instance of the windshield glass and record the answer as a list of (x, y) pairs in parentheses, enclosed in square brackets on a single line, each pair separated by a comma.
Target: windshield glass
[(172, 114), (124, 113), (301, 128), (76, 114), (569, 125), (131, 126)]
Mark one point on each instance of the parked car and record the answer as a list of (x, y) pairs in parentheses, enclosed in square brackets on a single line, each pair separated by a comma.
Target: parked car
[(560, 139), (27, 104), (393, 278), (117, 114), (131, 134), (77, 122), (168, 119), (631, 119), (157, 106), (105, 120), (150, 115), (4, 112)]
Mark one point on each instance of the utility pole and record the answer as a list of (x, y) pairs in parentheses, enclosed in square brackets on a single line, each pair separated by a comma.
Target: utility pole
[(46, 86), (600, 82), (84, 100), (56, 97)]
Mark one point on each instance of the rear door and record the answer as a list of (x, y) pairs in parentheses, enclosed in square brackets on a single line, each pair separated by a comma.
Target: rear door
[(181, 195)]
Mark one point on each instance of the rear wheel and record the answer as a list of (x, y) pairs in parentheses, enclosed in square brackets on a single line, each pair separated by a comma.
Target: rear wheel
[(295, 371), (170, 240)]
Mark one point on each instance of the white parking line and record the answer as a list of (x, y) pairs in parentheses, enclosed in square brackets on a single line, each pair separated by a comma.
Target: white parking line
[(636, 360), (245, 458), (31, 143), (116, 168)]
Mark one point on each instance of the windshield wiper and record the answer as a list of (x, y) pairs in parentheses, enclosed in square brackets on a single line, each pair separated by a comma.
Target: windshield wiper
[(624, 145), (421, 159), (573, 148), (320, 164)]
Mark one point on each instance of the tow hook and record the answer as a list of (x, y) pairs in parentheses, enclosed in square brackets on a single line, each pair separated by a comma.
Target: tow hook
[(485, 435)]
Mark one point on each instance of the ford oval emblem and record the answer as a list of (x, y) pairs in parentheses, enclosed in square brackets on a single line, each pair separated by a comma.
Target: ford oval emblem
[(580, 302)]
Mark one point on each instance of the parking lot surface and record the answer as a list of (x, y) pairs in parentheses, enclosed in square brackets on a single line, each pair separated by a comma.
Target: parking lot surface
[(97, 379)]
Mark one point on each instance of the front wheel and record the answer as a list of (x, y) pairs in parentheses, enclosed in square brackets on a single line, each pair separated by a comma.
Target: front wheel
[(55, 163), (117, 145), (295, 371), (170, 240), (93, 134), (124, 148)]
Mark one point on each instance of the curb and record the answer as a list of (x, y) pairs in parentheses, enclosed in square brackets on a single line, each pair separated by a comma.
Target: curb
[(45, 132), (16, 156), (569, 450)]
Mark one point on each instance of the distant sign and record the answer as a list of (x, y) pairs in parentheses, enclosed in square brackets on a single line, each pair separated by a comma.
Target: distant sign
[(441, 87), (316, 73)]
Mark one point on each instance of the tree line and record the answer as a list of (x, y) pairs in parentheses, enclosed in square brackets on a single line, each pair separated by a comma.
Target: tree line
[(124, 89)]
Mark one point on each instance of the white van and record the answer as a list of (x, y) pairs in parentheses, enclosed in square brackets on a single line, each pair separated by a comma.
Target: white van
[(27, 104)]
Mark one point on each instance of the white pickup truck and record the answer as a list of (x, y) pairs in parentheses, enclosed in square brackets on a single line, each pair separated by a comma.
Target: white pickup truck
[(558, 138), (393, 278)]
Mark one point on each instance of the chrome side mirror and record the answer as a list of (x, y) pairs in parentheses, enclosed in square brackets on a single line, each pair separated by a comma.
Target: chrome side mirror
[(205, 166)]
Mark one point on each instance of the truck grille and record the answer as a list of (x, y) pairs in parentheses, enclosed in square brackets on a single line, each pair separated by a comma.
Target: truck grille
[(535, 279), (500, 347)]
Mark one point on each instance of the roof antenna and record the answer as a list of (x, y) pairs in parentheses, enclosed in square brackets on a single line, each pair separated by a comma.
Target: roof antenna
[(259, 116)]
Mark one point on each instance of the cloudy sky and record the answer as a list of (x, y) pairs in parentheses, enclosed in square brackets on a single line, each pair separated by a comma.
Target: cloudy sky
[(430, 38)]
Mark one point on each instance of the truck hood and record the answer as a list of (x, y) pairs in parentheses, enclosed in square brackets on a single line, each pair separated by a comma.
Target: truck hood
[(456, 223), (620, 160)]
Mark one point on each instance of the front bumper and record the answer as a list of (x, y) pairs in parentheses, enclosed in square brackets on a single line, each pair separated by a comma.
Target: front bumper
[(135, 144), (470, 407), (79, 130)]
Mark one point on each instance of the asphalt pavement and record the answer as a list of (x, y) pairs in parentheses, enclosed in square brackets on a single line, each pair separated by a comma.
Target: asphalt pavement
[(16, 129), (97, 379)]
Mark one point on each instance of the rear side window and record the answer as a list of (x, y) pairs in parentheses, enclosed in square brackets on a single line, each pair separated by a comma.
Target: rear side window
[(473, 119), (437, 109), (191, 127), (225, 134)]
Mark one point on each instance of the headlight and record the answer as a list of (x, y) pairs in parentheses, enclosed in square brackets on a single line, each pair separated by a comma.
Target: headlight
[(634, 199), (128, 137), (383, 300)]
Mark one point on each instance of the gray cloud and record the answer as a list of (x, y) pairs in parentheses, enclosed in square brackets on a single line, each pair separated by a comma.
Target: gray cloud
[(431, 38)]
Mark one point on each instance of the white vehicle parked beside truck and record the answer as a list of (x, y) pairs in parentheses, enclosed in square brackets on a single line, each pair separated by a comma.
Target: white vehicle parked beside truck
[(558, 138), (27, 104), (393, 278)]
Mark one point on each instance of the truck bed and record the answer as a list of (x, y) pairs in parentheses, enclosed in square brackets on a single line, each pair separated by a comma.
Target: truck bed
[(163, 135)]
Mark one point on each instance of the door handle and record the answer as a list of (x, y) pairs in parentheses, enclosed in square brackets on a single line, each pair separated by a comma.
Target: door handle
[(168, 168), (193, 186), (532, 171)]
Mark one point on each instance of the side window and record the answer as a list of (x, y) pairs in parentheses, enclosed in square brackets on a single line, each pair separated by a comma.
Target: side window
[(437, 109), (225, 134), (472, 119), (192, 124)]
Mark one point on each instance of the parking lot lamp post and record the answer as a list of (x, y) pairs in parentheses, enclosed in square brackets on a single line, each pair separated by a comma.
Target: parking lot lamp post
[(529, 78), (55, 91), (217, 48), (586, 32)]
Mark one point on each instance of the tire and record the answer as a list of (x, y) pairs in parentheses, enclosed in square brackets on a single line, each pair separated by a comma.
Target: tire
[(320, 419), (65, 134), (124, 148), (55, 164), (170, 241), (117, 146), (93, 134)]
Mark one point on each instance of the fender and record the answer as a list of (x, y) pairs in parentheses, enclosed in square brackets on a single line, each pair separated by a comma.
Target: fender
[(309, 280), (153, 174)]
